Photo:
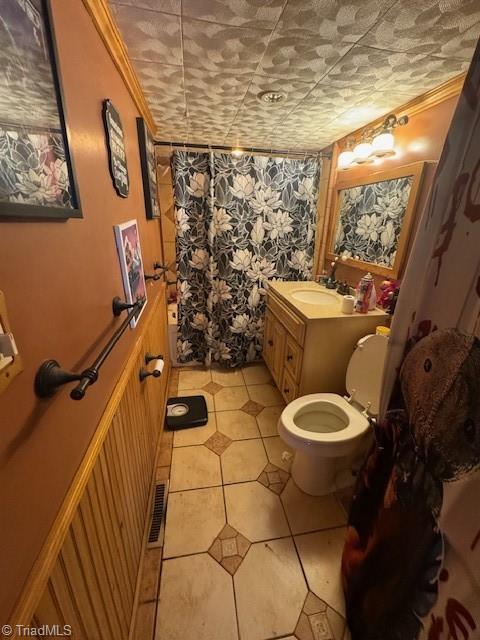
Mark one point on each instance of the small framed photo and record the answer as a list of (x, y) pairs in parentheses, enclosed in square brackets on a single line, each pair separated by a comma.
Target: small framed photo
[(37, 178), (149, 170), (131, 264)]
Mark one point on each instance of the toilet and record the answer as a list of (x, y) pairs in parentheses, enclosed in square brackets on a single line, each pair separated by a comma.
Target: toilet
[(326, 430)]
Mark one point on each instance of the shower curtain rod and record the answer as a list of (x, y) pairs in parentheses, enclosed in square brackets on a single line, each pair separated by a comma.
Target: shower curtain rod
[(273, 152)]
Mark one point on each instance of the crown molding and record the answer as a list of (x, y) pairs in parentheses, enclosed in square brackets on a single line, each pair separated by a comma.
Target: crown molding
[(449, 89), (107, 28)]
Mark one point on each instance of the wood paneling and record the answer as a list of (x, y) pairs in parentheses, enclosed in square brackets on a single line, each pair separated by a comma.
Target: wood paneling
[(92, 582)]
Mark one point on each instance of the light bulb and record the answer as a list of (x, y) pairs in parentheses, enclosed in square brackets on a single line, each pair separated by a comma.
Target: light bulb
[(383, 144), (345, 159), (362, 152), (237, 152)]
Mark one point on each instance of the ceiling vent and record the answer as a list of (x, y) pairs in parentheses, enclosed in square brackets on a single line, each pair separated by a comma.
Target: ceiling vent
[(271, 97)]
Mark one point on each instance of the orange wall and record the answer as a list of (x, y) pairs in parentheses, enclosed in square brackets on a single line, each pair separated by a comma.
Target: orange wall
[(59, 279), (421, 139)]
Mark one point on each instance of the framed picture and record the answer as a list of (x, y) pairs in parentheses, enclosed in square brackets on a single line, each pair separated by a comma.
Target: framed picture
[(36, 170), (373, 217), (149, 169), (117, 157), (131, 264)]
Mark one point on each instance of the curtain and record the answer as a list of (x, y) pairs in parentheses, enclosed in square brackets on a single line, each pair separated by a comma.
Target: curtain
[(411, 563), (241, 223)]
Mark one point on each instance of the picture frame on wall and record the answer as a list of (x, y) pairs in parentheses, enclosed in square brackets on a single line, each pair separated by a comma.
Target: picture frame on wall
[(149, 170), (129, 251), (117, 155), (372, 219), (37, 178)]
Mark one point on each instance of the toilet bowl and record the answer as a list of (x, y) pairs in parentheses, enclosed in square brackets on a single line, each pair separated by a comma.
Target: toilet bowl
[(325, 429)]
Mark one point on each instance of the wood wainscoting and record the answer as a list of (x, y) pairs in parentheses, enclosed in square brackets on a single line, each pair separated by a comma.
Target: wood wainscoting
[(87, 574)]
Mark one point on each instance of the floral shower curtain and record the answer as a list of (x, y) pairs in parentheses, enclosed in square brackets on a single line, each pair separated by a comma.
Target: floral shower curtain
[(411, 563), (241, 222)]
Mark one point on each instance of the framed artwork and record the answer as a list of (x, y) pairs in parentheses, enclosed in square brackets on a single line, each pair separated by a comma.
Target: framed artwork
[(131, 264), (373, 217), (117, 157), (149, 169), (36, 171)]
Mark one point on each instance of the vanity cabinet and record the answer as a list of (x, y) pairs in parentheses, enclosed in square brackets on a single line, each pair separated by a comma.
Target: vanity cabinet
[(306, 347)]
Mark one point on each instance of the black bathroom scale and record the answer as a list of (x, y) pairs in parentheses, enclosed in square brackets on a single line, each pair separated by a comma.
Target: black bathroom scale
[(186, 413)]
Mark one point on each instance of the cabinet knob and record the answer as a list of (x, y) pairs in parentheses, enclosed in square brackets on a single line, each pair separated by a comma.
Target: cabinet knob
[(270, 343), (286, 391), (290, 357)]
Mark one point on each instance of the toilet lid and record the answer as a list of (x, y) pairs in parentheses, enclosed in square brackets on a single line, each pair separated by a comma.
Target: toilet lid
[(365, 371)]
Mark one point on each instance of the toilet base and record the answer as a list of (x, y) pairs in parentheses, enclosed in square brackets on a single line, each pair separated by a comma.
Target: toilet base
[(314, 475)]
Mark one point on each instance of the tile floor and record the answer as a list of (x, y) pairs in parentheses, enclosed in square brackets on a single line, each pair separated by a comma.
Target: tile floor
[(246, 555)]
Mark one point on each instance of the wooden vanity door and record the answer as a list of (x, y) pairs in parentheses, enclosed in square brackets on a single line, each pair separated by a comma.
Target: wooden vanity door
[(268, 341), (274, 347)]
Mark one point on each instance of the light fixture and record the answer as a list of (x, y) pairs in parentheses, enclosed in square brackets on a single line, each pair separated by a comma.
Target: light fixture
[(271, 97), (383, 144), (345, 158), (237, 152), (379, 143), (362, 152)]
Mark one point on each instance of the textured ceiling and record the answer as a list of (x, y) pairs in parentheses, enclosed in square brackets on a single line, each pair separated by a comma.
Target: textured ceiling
[(341, 63)]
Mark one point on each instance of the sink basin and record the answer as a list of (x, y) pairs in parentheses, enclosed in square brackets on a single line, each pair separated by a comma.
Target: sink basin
[(310, 296)]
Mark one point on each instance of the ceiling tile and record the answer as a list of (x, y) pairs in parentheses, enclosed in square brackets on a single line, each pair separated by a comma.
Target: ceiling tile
[(419, 74), (334, 20), (297, 54), (461, 46), (361, 69), (242, 131), (150, 36), (341, 63), (213, 90), (220, 48), (377, 70), (167, 6), (259, 14), (221, 114), (162, 85), (219, 119), (326, 101), (423, 27)]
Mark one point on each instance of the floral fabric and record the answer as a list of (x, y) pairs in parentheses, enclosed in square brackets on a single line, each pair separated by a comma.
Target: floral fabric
[(370, 220), (240, 224), (33, 168)]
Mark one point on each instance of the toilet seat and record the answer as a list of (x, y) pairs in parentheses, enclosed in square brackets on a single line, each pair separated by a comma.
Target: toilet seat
[(356, 424)]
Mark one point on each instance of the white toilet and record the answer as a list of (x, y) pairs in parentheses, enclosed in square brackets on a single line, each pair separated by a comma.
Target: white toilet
[(326, 429)]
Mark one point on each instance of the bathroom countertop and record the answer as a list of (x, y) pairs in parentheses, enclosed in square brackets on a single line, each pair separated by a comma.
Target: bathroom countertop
[(316, 311)]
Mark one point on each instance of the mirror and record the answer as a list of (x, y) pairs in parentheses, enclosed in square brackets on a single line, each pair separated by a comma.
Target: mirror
[(373, 217)]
